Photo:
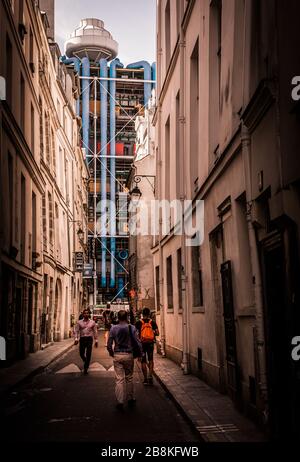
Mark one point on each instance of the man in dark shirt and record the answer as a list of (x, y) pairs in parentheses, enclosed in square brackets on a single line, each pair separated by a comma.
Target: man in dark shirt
[(148, 330), (120, 347)]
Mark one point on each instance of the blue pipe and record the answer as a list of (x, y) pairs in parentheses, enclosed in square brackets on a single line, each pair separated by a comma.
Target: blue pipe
[(153, 69), (121, 285), (112, 105), (147, 76), (103, 154), (76, 63), (85, 104)]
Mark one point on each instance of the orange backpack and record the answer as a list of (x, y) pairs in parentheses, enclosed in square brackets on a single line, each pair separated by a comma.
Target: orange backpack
[(147, 333)]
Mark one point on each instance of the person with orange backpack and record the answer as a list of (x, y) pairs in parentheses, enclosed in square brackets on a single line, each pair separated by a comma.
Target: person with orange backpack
[(148, 330)]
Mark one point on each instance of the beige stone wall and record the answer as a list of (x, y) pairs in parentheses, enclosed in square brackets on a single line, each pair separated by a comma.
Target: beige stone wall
[(237, 120), (37, 162)]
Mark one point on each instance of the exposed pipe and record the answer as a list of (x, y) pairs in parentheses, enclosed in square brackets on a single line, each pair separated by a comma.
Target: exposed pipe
[(147, 76), (112, 107), (85, 103), (103, 152), (76, 63)]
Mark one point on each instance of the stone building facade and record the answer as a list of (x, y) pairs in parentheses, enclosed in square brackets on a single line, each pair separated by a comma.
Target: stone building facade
[(227, 134), (43, 184)]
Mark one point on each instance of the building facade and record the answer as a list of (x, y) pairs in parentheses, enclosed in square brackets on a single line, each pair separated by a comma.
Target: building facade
[(112, 96), (227, 135), (43, 183), (142, 175)]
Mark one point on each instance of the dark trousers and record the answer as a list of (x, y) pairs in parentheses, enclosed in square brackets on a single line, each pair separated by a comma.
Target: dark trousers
[(85, 350)]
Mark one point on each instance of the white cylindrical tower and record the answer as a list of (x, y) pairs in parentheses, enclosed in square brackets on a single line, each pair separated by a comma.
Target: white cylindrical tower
[(91, 40)]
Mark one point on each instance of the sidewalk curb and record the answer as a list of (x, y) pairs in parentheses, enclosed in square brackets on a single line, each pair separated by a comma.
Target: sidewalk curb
[(186, 415), (36, 371)]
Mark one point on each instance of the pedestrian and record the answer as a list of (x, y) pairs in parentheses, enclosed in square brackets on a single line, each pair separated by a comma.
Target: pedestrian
[(85, 332), (122, 344), (148, 330), (107, 324)]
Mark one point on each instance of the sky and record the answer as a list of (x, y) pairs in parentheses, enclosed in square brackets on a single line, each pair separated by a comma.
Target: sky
[(132, 24)]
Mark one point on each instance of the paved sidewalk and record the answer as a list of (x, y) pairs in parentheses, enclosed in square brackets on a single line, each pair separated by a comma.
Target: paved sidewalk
[(32, 365), (211, 413)]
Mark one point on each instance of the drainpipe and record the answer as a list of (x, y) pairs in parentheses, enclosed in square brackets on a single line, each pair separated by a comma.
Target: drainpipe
[(147, 76), (85, 104), (153, 74), (256, 274), (103, 154), (112, 107), (76, 63), (185, 298)]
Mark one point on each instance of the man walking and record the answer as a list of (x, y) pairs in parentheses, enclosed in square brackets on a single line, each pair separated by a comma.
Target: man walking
[(85, 332), (148, 330), (120, 345)]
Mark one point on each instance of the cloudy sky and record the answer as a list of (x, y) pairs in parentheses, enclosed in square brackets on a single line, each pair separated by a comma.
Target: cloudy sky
[(131, 22)]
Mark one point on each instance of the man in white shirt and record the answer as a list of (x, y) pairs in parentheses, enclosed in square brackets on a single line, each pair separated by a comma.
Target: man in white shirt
[(85, 332)]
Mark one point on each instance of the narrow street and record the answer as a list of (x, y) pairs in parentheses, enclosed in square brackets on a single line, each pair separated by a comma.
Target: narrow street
[(63, 405)]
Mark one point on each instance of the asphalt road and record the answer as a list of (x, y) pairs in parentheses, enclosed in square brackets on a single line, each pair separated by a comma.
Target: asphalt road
[(62, 406)]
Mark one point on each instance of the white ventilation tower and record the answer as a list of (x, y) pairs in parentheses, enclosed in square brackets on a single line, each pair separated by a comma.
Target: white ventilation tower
[(91, 40)]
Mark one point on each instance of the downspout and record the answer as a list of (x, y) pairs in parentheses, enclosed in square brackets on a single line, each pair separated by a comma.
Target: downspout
[(76, 63), (85, 104), (153, 74), (147, 76), (103, 154), (182, 173), (112, 107)]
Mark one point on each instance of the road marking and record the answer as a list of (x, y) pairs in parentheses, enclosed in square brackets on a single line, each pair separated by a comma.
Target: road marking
[(70, 369), (97, 367)]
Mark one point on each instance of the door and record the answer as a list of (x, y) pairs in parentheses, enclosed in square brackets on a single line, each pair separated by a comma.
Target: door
[(280, 312), (230, 333)]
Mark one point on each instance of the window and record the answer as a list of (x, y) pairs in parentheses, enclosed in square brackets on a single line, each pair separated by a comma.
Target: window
[(23, 218), (31, 51), (51, 223), (8, 78), (215, 40), (67, 180), (177, 148), (179, 278), (167, 158), (41, 129), (34, 234), (47, 138), (194, 116), (169, 283), (197, 277), (53, 151), (44, 216), (178, 15), (32, 128), (157, 288), (10, 172), (22, 102), (168, 34)]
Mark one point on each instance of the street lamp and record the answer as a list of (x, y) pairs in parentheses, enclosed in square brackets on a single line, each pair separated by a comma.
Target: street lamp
[(80, 234), (135, 195)]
